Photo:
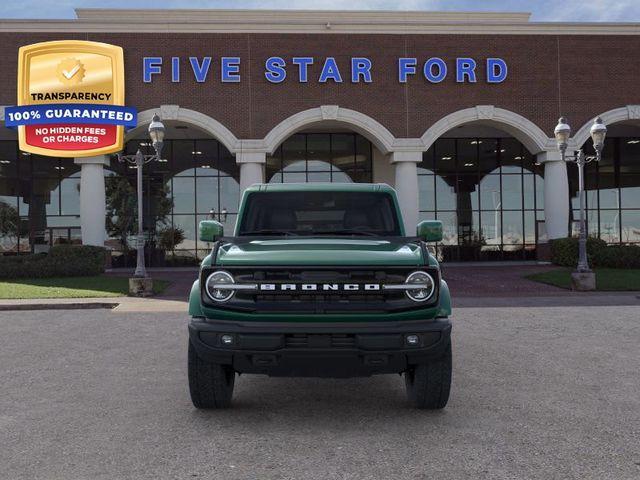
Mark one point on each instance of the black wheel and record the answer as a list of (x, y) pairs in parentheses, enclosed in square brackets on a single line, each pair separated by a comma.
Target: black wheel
[(210, 384), (428, 384)]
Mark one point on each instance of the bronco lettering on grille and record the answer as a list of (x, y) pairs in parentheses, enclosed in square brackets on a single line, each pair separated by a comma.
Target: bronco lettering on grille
[(315, 287)]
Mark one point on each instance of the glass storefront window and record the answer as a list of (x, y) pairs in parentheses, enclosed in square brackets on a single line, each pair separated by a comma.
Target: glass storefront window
[(512, 229), (426, 187), (8, 159), (630, 190), (182, 158), (199, 179), (490, 192), (609, 225), (445, 195), (511, 155), (630, 224), (207, 192), (183, 195), (319, 153), (487, 191), (321, 157), (70, 195), (530, 228), (294, 151), (445, 156), (449, 227), (612, 191), (512, 192)]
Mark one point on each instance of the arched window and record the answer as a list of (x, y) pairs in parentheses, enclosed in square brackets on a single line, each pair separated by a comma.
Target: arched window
[(488, 194), (321, 157)]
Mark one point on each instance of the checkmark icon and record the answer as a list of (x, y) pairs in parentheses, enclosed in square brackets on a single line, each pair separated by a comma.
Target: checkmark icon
[(71, 73)]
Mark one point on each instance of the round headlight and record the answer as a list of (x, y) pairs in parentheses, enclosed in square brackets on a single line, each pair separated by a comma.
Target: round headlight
[(215, 286), (427, 286)]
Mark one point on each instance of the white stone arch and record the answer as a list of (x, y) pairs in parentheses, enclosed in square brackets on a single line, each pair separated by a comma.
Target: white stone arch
[(374, 131), (527, 132), (192, 117), (622, 114)]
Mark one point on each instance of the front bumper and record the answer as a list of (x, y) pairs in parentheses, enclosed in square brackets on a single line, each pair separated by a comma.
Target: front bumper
[(319, 349)]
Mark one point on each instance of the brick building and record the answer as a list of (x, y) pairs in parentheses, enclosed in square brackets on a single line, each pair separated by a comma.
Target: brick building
[(456, 110)]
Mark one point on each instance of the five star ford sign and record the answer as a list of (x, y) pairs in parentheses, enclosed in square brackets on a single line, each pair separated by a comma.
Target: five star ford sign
[(71, 99)]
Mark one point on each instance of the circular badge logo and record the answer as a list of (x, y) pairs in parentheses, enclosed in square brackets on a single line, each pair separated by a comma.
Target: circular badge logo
[(70, 71)]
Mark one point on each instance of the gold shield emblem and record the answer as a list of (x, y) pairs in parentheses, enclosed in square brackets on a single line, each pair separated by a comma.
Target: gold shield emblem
[(71, 72)]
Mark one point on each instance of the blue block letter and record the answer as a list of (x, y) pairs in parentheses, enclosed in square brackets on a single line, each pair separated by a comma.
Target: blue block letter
[(465, 67), (275, 69), (360, 66), (406, 66), (428, 70), (330, 71), (175, 69), (230, 70), (496, 70), (151, 66), (200, 71), (303, 64)]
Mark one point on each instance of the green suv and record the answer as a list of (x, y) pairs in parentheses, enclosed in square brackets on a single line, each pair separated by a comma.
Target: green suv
[(320, 280)]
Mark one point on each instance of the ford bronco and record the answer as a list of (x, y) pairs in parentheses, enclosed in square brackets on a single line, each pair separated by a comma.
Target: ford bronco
[(320, 280)]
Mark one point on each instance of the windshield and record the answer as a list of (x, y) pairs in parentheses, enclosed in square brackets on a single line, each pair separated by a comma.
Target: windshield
[(319, 213)]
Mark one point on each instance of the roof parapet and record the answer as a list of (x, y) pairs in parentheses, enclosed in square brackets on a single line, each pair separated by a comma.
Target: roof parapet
[(297, 16)]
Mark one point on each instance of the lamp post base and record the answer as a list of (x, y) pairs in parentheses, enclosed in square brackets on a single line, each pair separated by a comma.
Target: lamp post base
[(141, 286), (583, 281)]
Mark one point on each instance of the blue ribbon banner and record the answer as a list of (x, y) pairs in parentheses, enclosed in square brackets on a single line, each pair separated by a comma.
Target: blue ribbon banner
[(70, 113)]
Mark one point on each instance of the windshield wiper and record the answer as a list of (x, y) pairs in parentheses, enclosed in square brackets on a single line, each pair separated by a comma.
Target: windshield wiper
[(269, 231), (347, 231)]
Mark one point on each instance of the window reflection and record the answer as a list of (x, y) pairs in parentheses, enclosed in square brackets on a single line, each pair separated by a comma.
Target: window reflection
[(321, 157), (630, 224), (201, 180), (612, 191), (487, 195)]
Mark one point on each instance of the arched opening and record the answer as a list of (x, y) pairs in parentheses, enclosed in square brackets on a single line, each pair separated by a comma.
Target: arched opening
[(198, 178), (328, 144), (612, 186), (486, 188)]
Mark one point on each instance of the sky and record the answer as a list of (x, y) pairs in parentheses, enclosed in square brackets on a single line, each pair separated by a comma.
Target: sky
[(542, 10)]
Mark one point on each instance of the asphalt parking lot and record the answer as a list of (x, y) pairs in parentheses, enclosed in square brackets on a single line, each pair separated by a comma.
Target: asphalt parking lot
[(537, 393)]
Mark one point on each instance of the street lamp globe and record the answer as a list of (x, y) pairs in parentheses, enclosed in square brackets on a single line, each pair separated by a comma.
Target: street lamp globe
[(598, 132), (156, 133), (562, 133)]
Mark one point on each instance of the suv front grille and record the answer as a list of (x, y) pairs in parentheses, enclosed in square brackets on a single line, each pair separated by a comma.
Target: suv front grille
[(320, 300)]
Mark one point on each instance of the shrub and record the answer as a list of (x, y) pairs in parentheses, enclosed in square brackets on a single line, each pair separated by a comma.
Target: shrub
[(169, 237), (61, 261), (618, 256), (564, 252)]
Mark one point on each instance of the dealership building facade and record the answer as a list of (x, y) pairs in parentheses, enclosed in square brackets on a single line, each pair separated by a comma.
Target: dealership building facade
[(455, 110)]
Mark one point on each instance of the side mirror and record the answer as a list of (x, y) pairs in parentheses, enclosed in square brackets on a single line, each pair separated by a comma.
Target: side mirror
[(210, 230), (430, 230)]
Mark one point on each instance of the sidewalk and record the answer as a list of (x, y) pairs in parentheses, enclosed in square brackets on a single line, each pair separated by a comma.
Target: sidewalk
[(117, 304)]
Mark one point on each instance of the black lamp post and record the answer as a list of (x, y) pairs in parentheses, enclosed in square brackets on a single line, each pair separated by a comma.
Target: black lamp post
[(156, 133), (562, 133)]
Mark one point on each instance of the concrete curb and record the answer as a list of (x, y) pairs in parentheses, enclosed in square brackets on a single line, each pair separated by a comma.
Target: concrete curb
[(9, 307)]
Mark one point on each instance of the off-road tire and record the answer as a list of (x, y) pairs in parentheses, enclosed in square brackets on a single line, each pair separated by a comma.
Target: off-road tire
[(210, 384), (428, 384)]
